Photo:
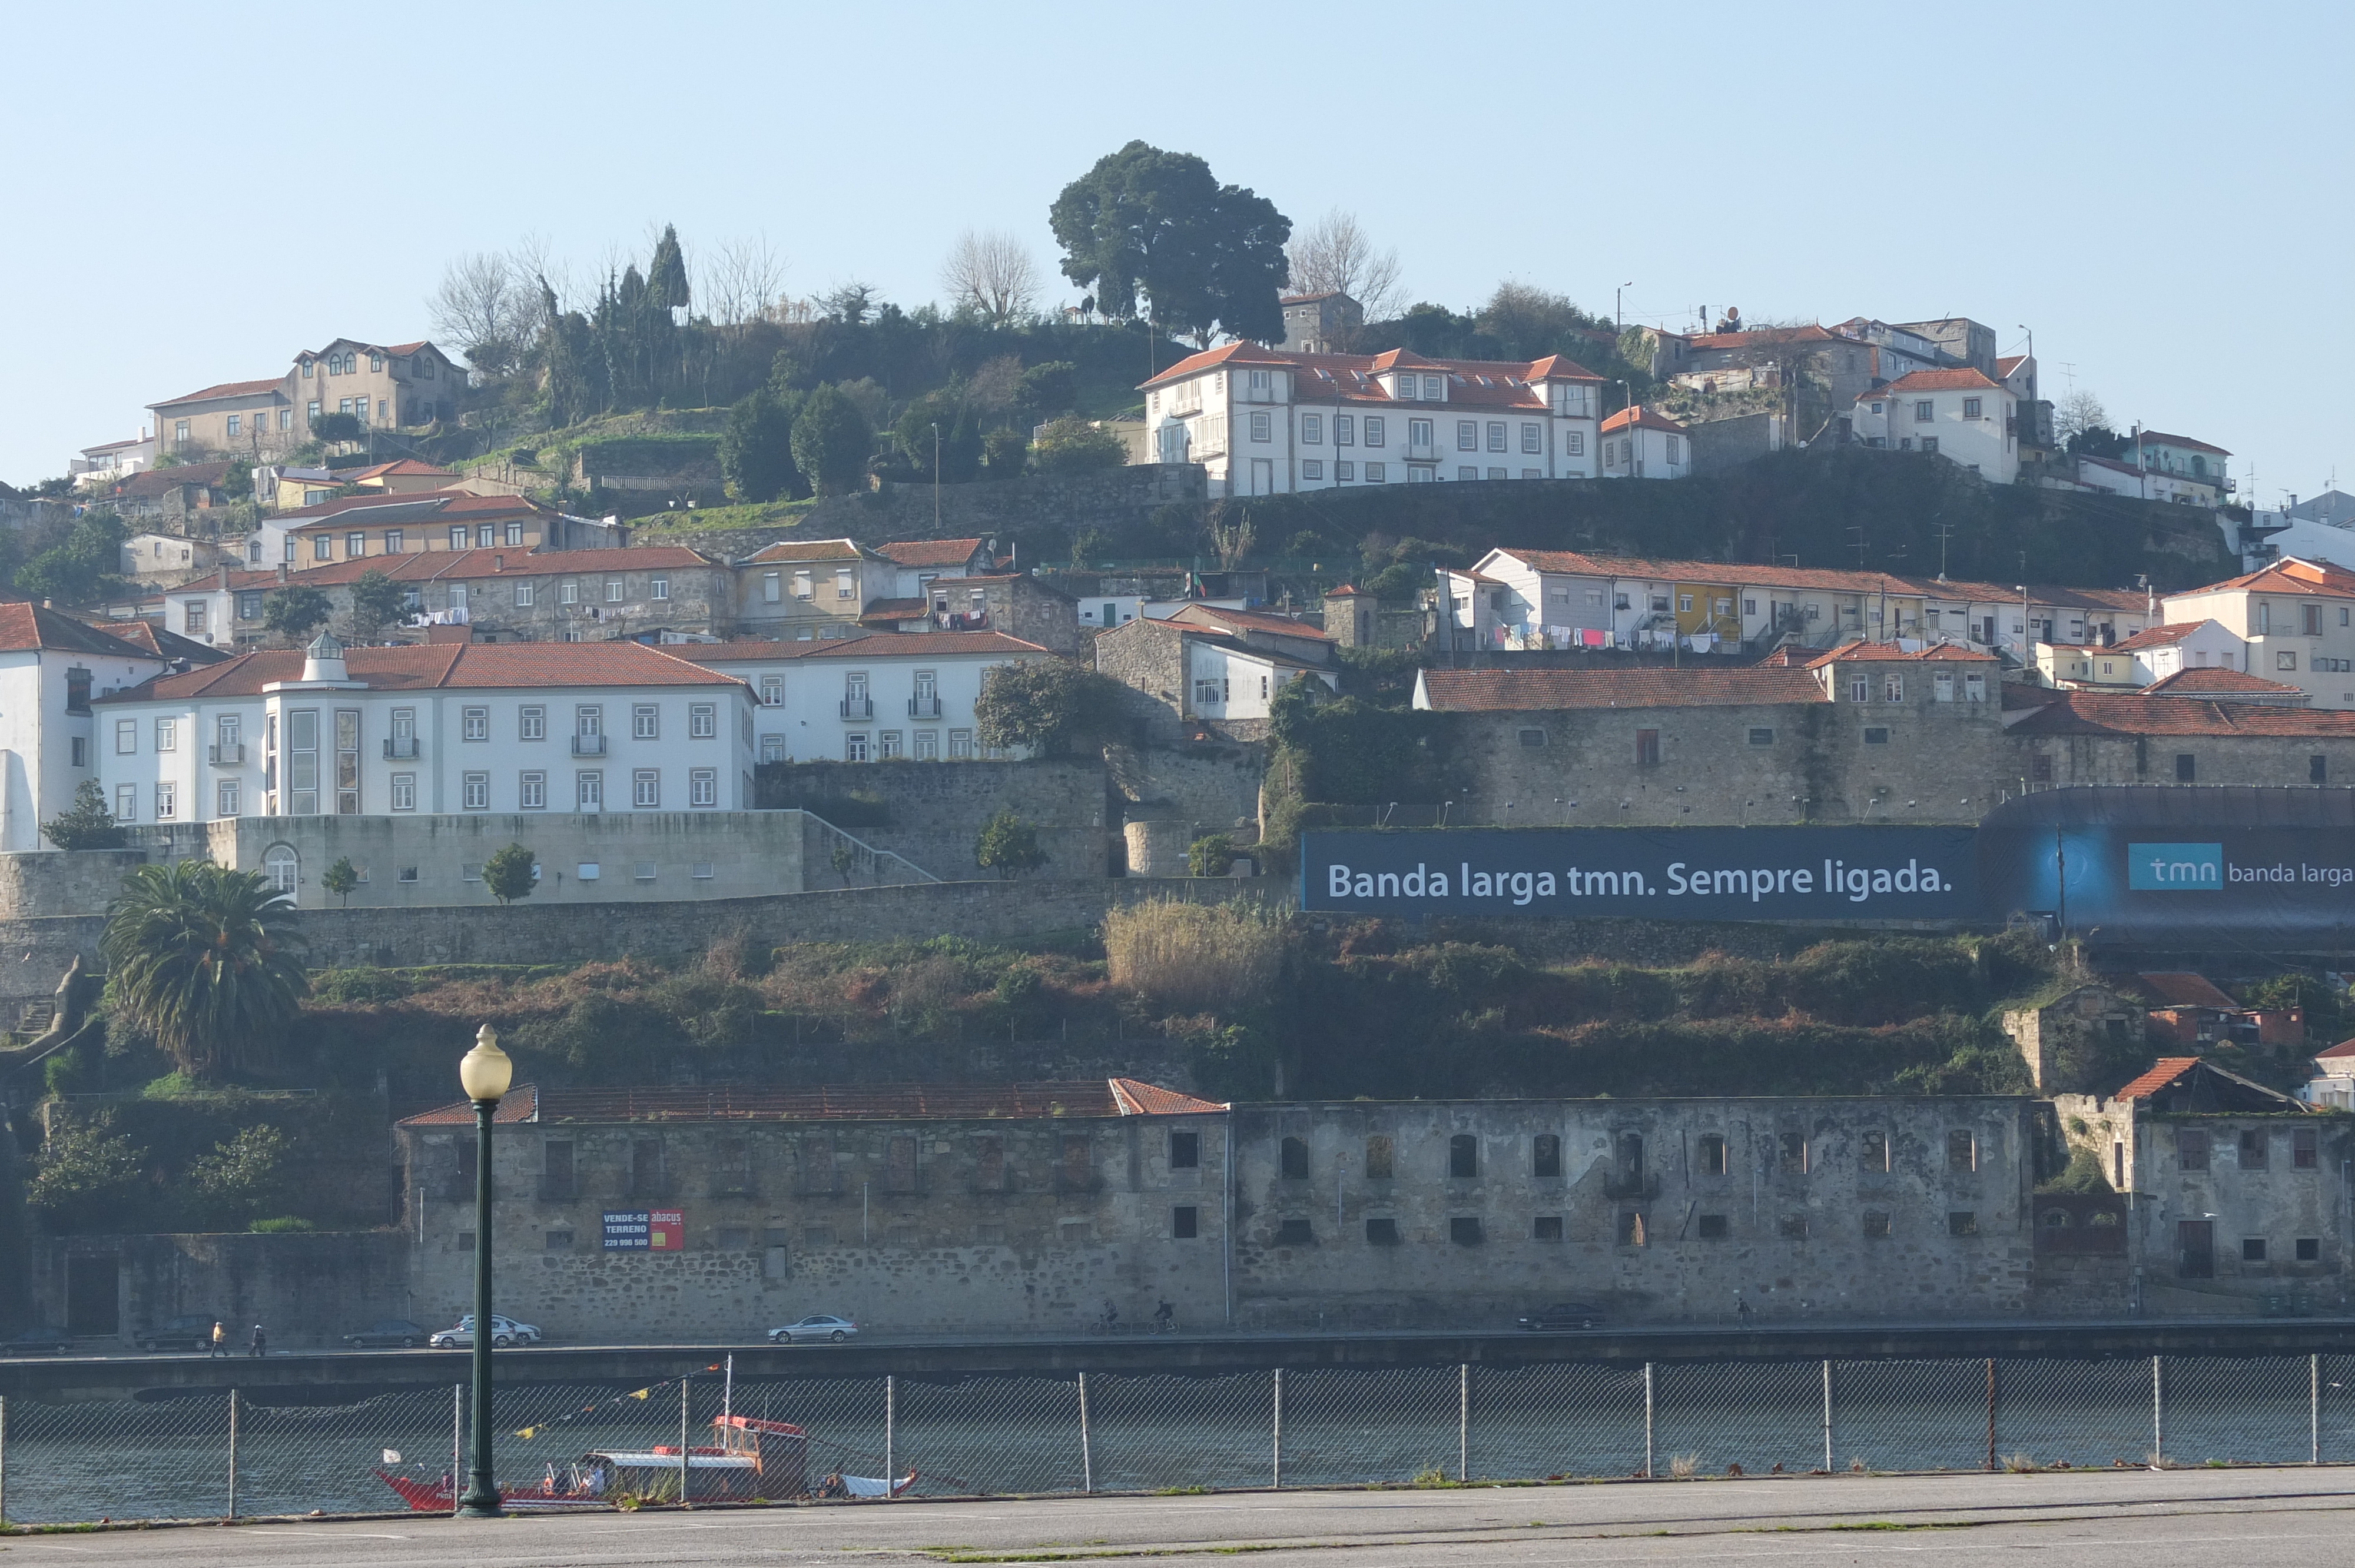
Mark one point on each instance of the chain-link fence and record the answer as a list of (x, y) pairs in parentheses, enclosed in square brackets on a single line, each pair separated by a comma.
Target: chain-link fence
[(215, 1455)]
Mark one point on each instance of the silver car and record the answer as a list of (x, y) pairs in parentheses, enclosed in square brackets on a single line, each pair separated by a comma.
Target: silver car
[(505, 1331), (817, 1325)]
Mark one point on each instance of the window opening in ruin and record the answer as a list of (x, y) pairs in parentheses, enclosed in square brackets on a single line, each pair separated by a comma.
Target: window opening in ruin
[(1875, 1223), (1713, 1227), (1294, 1233), (1381, 1233), (1548, 1155), (1631, 1228), (1464, 1231), (1185, 1221), (1962, 1150), (1185, 1150), (2191, 1148), (2254, 1149), (1295, 1159), (1872, 1152), (1378, 1158), (1463, 1155), (1793, 1151), (1712, 1154), (1548, 1228)]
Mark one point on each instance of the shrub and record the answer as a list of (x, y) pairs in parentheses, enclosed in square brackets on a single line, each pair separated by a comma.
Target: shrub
[(284, 1224), (1196, 957), (1009, 847), (87, 824), (1210, 856), (1071, 445)]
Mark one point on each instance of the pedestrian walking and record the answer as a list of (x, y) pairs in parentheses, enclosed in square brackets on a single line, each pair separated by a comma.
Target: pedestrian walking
[(220, 1341), (259, 1344)]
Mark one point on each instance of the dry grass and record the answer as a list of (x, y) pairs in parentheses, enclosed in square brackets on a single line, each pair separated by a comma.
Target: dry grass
[(1681, 1467), (1196, 957)]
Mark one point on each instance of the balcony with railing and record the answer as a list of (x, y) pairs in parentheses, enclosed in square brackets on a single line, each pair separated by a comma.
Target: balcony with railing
[(401, 748), (924, 708), (588, 745), (232, 755), (859, 707)]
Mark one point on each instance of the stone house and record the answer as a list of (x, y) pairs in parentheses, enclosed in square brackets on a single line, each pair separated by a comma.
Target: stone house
[(179, 496), (991, 1208), (379, 383), (1026, 1207), (2236, 1194), (1014, 603), (2090, 737), (1205, 673), (798, 588), (352, 527), (2059, 1039)]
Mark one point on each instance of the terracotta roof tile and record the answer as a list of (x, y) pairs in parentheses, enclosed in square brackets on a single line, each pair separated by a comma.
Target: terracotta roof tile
[(2216, 683), (2182, 987), (1642, 416), (930, 552), (1541, 691), (871, 645), (2163, 1072), (427, 504), (2161, 439), (1140, 1098), (810, 550), (1932, 381), (469, 566), (2293, 575), (2127, 713), (1249, 621), (519, 1104), (2341, 1052), (224, 389), (2165, 636), (1890, 652), (25, 626), (1348, 378)]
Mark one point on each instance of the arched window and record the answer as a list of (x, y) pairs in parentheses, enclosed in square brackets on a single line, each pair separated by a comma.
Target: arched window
[(284, 866), (1295, 1159)]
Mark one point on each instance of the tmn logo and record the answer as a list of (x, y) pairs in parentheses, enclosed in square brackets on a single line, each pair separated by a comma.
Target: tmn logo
[(2175, 868)]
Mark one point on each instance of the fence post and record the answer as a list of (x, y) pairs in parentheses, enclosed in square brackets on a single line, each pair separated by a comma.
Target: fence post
[(1464, 1421), (1828, 1415), (457, 1441), (232, 1454), (1990, 1403), (1276, 1480), (890, 1424), (2157, 1415), (1648, 1420), (2313, 1417), (683, 1384), (1087, 1452)]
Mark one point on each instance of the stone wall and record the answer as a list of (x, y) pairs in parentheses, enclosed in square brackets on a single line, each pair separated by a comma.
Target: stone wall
[(1053, 505), (2268, 762), (59, 882), (1212, 786), (305, 1290), (932, 812)]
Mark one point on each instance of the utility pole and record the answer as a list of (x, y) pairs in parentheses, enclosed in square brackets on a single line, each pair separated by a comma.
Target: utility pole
[(936, 479), (1945, 531)]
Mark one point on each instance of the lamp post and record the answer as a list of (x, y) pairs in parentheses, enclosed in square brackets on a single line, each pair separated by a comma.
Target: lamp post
[(484, 1072)]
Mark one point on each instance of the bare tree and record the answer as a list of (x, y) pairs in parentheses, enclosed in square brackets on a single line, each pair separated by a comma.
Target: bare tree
[(483, 308), (1336, 253), (992, 274), (743, 282), (2080, 411)]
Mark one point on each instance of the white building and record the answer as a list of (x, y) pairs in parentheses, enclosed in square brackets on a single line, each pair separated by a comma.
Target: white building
[(2160, 652), (169, 558), (1267, 422), (52, 668), (1961, 415), (433, 729), (2298, 619), (1643, 443), (872, 698), (111, 462)]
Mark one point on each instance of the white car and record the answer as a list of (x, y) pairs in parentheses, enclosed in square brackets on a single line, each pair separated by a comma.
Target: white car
[(505, 1331), (817, 1325)]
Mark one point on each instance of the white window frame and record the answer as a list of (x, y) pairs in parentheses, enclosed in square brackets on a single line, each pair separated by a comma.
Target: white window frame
[(404, 792), (531, 790), (702, 721), (703, 788), (645, 788), (474, 792)]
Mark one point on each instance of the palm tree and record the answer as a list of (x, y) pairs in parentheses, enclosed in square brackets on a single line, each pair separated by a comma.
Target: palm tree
[(203, 959)]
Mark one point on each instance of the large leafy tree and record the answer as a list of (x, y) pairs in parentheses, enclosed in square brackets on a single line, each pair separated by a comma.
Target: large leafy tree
[(80, 567), (756, 450), (204, 959), (1050, 705), (831, 442), (1207, 258), (377, 602), (87, 824), (295, 612)]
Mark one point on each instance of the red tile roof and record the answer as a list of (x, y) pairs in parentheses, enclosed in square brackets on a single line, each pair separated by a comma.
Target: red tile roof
[(407, 467), (1347, 590), (156, 480), (2179, 988), (2214, 682), (1348, 378), (1739, 340), (1541, 691), (2293, 575), (1890, 652), (2158, 636), (2159, 438), (1067, 1100), (1402, 359), (444, 666), (469, 566), (2338, 1053), (2129, 714), (2007, 363), (2163, 1072), (1248, 620), (25, 626), (1640, 416), (929, 552), (223, 389), (1932, 381), (1559, 367), (885, 611)]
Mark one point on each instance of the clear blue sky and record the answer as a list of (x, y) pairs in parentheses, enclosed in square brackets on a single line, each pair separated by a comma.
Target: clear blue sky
[(193, 194)]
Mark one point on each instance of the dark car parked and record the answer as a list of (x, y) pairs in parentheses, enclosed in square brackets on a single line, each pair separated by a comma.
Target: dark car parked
[(389, 1333), (48, 1338), (189, 1331), (1560, 1314)]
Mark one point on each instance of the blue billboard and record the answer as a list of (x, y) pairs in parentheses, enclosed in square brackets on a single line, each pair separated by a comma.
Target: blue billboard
[(1670, 873)]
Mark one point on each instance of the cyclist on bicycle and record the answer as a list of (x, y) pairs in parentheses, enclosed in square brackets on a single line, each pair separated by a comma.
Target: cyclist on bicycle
[(1162, 1317)]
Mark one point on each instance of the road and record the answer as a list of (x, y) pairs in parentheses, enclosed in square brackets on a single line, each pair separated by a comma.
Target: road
[(2101, 1520)]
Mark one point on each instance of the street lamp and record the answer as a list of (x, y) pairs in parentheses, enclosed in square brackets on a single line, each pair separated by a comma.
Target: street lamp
[(484, 1072)]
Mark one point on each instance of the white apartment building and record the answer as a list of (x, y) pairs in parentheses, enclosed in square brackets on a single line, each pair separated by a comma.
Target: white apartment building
[(2298, 618), (2160, 652), (1516, 599), (443, 728), (1961, 415), (878, 697), (52, 667), (111, 462), (1264, 421), (1643, 443)]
